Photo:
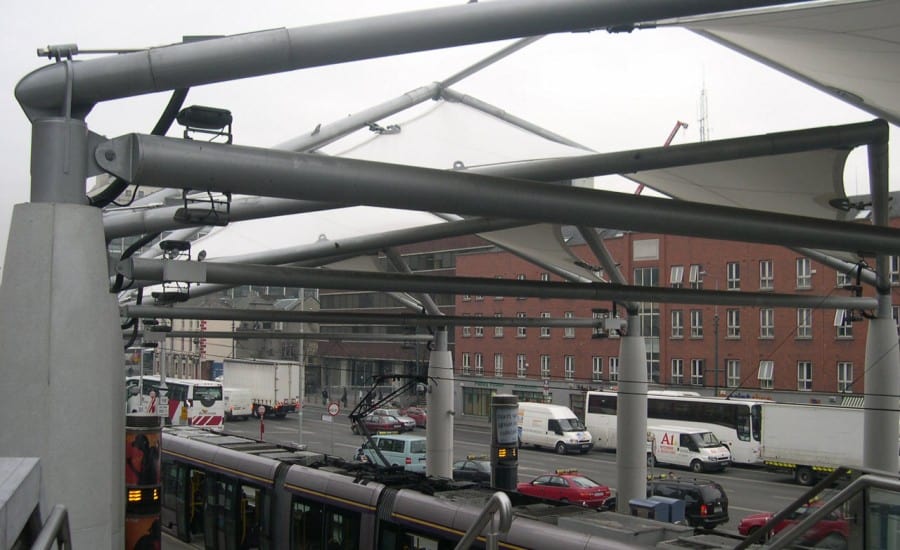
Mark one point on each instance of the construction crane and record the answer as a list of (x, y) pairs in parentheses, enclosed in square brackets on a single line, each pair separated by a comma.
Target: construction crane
[(678, 125)]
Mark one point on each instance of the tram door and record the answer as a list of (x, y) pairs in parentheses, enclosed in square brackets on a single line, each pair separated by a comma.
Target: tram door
[(238, 514), (211, 527)]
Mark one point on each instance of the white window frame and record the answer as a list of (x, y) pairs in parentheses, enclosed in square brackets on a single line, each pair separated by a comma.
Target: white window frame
[(766, 323), (842, 279), (766, 275), (844, 324), (677, 371), (804, 375), (521, 365), (479, 364), (545, 276), (804, 273), (733, 276), (466, 364), (479, 330), (545, 366), (694, 277), (596, 368), (804, 323), (521, 332), (766, 374), (677, 316), (845, 377), (467, 331), (613, 369), (895, 270), (733, 323), (545, 331), (569, 367), (697, 372), (676, 276), (733, 372), (569, 332), (498, 329), (498, 365), (696, 323)]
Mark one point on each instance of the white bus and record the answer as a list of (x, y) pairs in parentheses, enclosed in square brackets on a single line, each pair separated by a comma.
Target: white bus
[(190, 402), (736, 422)]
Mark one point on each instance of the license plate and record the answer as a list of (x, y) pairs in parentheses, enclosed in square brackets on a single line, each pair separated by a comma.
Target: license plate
[(718, 509)]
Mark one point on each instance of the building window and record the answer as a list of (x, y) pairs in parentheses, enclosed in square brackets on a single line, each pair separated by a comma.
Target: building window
[(766, 275), (845, 377), (569, 366), (467, 332), (545, 276), (498, 365), (733, 372), (521, 366), (569, 332), (498, 330), (804, 323), (696, 323), (596, 368), (804, 375), (466, 366), (545, 331), (613, 369), (677, 323), (696, 372), (843, 280), (733, 275), (733, 323), (766, 374), (844, 323), (545, 366), (676, 275), (479, 364), (520, 331), (767, 323), (479, 330), (678, 371), (804, 273), (895, 270), (467, 298), (694, 277)]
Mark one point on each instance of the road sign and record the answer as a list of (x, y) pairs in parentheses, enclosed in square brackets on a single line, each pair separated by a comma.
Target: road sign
[(334, 408)]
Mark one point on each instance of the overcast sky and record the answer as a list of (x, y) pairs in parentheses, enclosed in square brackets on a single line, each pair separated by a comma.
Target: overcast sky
[(609, 92)]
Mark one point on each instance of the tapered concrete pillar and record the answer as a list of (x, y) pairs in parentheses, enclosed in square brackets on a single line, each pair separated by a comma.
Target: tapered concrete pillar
[(439, 430), (882, 385), (61, 357), (631, 418)]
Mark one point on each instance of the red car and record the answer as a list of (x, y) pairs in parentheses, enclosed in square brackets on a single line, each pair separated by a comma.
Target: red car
[(418, 414), (566, 486), (833, 530), (379, 423)]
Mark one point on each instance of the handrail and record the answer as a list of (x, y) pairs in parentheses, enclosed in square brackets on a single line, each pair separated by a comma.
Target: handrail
[(863, 482), (55, 530), (498, 504)]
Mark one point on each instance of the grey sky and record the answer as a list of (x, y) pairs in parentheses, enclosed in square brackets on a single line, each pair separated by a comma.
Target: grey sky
[(610, 92)]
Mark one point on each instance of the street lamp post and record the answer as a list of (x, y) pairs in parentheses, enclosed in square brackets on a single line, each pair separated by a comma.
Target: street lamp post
[(716, 346)]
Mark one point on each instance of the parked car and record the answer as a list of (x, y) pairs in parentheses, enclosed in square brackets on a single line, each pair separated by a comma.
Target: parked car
[(473, 468), (405, 450), (408, 423), (378, 423), (567, 486), (705, 502), (418, 414), (831, 532)]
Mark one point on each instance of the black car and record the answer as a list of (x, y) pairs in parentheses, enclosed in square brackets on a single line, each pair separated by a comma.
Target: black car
[(705, 502), (472, 470)]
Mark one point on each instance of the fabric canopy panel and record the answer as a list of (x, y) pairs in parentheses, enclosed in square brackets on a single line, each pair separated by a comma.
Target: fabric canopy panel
[(849, 49), (800, 183), (543, 245)]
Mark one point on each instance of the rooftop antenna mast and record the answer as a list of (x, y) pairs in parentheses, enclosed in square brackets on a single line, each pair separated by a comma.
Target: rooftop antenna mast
[(703, 115)]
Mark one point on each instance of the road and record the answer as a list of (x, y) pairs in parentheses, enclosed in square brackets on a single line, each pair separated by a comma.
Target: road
[(749, 490)]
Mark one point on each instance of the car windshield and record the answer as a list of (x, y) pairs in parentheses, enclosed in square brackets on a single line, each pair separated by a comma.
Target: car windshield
[(571, 425), (707, 439), (584, 482)]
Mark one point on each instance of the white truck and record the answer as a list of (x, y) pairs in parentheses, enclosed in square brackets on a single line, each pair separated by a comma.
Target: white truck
[(552, 426), (274, 385), (810, 441), (694, 448)]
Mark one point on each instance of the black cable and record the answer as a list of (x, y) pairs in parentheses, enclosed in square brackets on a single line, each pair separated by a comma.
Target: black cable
[(135, 246), (118, 185)]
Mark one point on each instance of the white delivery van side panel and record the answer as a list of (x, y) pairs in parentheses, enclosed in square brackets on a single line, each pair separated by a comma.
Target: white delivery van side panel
[(552, 426), (696, 449)]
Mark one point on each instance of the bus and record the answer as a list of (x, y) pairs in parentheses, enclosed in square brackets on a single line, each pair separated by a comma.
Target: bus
[(190, 402), (736, 422)]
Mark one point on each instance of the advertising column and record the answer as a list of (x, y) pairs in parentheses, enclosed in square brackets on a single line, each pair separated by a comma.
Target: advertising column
[(143, 440), (504, 441)]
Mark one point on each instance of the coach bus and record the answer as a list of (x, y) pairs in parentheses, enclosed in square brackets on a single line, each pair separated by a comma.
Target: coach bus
[(190, 402), (736, 422)]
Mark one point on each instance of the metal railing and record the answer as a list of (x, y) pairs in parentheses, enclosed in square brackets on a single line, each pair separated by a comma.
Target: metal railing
[(498, 505), (55, 531)]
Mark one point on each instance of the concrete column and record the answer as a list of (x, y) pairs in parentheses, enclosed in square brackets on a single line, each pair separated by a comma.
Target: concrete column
[(631, 419), (439, 430)]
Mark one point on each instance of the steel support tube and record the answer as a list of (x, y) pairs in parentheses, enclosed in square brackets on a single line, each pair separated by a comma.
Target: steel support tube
[(267, 52), (155, 161), (281, 335), (252, 274)]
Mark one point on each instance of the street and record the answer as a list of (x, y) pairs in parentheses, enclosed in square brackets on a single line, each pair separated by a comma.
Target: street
[(749, 490)]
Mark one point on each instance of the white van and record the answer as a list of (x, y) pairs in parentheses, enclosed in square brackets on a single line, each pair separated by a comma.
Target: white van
[(552, 426), (238, 403), (694, 448), (405, 450)]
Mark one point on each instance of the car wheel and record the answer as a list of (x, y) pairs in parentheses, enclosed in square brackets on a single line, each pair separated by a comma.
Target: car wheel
[(651, 461), (696, 466), (564, 500), (560, 448), (805, 476)]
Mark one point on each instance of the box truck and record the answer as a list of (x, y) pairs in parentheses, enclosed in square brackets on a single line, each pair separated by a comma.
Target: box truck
[(274, 385), (694, 448), (552, 426)]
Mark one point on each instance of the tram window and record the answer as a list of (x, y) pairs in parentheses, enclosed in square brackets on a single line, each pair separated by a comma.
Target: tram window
[(198, 488), (306, 522), (343, 529), (251, 514), (170, 482)]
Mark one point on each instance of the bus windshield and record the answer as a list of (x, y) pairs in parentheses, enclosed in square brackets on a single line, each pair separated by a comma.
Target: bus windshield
[(208, 393)]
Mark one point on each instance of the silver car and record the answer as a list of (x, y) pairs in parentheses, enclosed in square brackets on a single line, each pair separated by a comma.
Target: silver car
[(409, 423)]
